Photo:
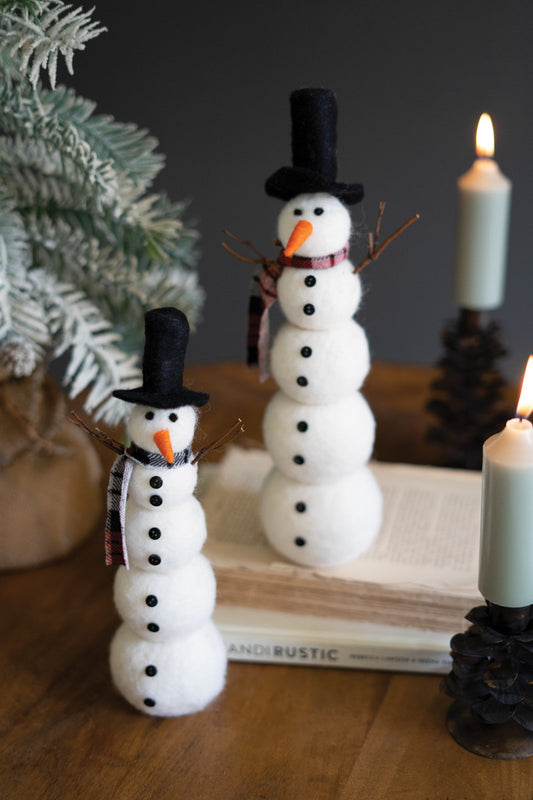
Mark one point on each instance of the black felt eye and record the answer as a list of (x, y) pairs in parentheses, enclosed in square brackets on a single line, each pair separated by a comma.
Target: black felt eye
[(297, 212), (149, 415), (173, 417), (318, 211)]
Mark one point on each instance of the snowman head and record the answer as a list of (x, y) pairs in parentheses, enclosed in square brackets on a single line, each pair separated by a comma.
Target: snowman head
[(314, 225), (163, 430)]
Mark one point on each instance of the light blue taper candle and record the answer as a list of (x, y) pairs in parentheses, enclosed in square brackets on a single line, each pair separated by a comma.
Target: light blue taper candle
[(483, 209), (506, 551)]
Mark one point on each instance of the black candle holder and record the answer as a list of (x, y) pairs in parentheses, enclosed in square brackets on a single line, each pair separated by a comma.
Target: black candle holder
[(492, 683), (466, 398)]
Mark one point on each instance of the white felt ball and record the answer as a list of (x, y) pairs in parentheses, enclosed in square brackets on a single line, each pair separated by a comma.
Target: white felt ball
[(318, 443), (145, 421), (168, 679), (173, 537), (316, 299), (329, 217), (160, 606), (320, 367), (321, 525), (173, 485)]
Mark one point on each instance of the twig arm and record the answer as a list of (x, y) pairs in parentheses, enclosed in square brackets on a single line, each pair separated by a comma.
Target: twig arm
[(269, 264), (247, 243), (97, 434), (373, 251), (381, 211), (238, 255), (228, 436)]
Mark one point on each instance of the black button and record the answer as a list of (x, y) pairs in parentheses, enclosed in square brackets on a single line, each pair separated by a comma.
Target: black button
[(151, 600), (156, 499), (299, 542), (301, 381), (151, 670), (302, 426), (298, 459), (310, 280), (300, 507), (149, 702), (305, 352), (156, 482), (153, 627), (309, 309), (154, 533), (154, 560)]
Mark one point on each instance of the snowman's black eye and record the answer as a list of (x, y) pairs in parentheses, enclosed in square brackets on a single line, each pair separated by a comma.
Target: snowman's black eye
[(149, 415), (318, 211), (297, 212), (173, 417)]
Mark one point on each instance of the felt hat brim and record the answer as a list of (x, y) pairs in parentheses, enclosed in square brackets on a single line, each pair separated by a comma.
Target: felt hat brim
[(288, 182), (183, 397)]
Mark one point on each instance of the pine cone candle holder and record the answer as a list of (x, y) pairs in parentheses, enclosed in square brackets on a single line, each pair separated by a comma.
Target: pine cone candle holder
[(467, 396), (492, 683)]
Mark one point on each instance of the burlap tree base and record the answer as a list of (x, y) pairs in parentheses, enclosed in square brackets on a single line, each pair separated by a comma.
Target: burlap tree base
[(50, 476)]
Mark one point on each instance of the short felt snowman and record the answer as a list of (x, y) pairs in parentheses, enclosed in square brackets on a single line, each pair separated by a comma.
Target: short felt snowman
[(320, 505), (167, 658)]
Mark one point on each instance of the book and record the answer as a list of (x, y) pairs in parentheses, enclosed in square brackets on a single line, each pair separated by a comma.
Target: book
[(278, 637), (421, 572)]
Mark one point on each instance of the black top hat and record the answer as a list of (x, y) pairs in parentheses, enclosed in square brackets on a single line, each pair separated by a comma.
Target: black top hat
[(166, 333), (314, 151)]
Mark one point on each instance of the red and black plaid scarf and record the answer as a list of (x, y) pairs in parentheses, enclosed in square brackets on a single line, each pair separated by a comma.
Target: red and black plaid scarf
[(264, 294), (117, 490)]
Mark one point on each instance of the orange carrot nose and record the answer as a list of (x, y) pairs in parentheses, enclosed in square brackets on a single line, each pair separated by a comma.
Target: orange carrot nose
[(301, 232), (162, 440)]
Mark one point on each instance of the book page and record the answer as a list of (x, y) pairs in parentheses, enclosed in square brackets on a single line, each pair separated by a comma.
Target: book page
[(429, 537), (430, 530)]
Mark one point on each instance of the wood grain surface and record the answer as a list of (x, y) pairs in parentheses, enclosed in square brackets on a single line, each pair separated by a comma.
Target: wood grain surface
[(276, 732)]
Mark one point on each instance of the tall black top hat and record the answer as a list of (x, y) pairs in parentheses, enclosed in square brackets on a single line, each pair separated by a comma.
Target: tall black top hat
[(314, 151), (166, 335)]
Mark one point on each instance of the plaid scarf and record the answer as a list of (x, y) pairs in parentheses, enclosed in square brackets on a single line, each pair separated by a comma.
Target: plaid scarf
[(264, 294), (117, 492)]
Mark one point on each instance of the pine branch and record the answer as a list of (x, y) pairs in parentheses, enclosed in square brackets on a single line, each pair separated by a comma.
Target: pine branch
[(95, 360), (126, 297), (130, 148), (30, 6), (121, 284), (36, 34), (23, 325), (83, 250), (53, 149)]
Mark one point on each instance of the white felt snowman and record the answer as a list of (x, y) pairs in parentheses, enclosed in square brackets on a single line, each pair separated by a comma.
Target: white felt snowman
[(167, 658), (320, 505)]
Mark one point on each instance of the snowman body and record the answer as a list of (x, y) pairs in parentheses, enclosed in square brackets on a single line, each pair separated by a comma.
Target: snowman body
[(320, 505), (167, 658)]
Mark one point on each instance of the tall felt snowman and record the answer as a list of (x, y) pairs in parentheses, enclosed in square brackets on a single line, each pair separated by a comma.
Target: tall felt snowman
[(167, 658), (320, 505)]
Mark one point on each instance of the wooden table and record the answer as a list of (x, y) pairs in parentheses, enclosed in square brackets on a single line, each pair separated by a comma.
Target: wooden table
[(276, 733)]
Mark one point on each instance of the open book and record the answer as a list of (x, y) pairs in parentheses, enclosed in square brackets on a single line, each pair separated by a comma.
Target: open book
[(421, 572)]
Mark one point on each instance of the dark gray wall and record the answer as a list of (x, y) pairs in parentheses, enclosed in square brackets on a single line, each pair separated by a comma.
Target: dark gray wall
[(212, 81)]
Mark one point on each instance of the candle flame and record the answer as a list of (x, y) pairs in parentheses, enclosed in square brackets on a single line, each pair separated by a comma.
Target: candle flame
[(525, 402), (485, 137)]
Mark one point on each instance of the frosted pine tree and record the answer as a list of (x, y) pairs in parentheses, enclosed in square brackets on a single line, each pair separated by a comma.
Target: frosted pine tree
[(85, 248)]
